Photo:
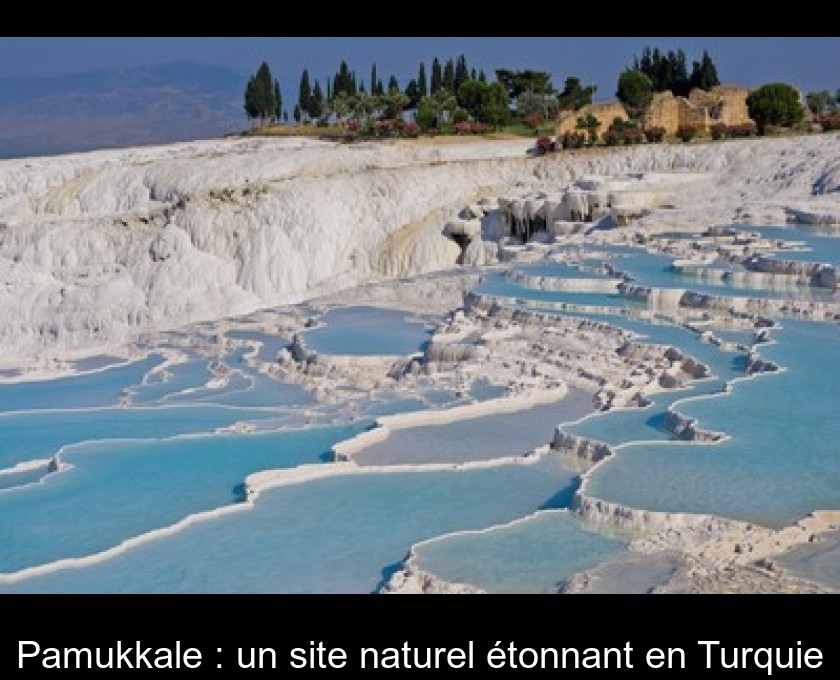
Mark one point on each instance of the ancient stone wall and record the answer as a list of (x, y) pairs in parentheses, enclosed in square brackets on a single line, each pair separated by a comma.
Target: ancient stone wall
[(693, 116), (722, 104), (733, 105), (605, 112), (725, 104), (663, 111)]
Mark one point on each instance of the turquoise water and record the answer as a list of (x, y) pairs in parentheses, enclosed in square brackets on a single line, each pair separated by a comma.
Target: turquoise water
[(346, 533), (482, 438), (821, 248), (498, 284), (366, 331), (781, 461), (117, 490), (654, 270), (101, 388), (632, 573), (482, 390), (337, 534), (530, 556), (387, 408), (250, 389), (676, 235), (96, 362), (558, 269), (270, 345), (187, 375), (618, 426), (623, 425), (742, 337), (10, 480), (39, 434), (245, 386), (439, 398)]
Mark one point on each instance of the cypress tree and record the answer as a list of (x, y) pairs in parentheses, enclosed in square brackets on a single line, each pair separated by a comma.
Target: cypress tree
[(449, 76), (704, 73), (373, 87), (437, 76), (393, 83), (262, 94), (422, 88), (482, 77), (680, 84), (343, 81), (304, 93), (251, 109), (317, 107), (462, 73), (412, 92)]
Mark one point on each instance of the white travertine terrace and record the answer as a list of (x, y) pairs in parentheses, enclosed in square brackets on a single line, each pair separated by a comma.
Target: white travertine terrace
[(96, 248)]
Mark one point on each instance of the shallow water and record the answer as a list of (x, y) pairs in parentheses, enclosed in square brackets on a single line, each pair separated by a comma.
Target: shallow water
[(270, 344), (774, 469), (482, 390), (11, 479), (654, 270), (498, 284), (364, 525), (387, 408), (779, 464), (96, 362), (117, 490), (366, 331), (253, 389), (39, 434), (530, 556), (190, 374), (633, 573), (558, 270), (482, 438), (820, 247), (102, 388)]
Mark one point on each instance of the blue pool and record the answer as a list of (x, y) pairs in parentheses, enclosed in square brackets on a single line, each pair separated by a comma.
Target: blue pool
[(367, 331)]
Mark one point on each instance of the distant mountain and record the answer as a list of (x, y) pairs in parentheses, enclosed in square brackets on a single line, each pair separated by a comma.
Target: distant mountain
[(171, 102)]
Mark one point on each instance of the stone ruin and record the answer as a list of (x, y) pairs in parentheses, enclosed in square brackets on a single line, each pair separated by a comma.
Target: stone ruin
[(725, 104)]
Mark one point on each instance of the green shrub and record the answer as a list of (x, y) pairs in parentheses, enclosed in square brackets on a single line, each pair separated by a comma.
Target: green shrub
[(460, 116), (775, 104)]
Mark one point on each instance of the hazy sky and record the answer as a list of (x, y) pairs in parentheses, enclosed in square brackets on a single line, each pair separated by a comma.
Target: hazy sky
[(811, 63)]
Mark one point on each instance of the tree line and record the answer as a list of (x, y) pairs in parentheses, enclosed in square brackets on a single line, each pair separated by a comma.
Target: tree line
[(451, 93)]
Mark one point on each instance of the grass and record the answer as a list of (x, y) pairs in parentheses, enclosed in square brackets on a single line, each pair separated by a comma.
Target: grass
[(513, 130), (520, 129)]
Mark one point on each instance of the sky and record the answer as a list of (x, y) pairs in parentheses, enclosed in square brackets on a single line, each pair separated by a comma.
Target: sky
[(810, 63)]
